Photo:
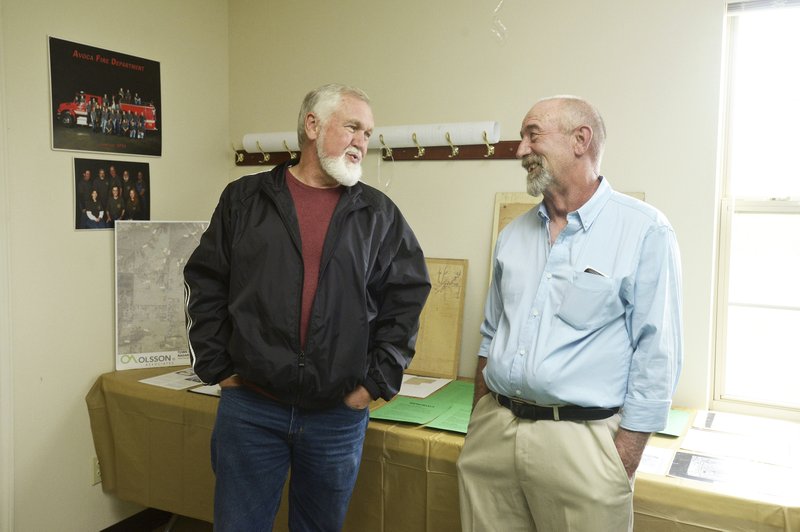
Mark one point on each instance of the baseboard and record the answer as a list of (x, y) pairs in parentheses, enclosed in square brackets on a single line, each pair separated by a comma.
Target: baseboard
[(148, 519)]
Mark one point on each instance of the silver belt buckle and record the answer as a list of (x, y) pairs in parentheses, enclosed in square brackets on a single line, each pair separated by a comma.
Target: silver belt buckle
[(520, 402)]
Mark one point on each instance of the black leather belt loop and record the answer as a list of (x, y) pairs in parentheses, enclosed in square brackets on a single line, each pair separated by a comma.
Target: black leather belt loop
[(525, 410)]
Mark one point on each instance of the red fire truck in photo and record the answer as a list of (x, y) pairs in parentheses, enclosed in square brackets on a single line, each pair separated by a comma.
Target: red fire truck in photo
[(74, 113)]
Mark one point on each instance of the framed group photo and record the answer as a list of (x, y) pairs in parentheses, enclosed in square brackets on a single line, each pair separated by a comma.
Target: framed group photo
[(107, 191), (104, 101)]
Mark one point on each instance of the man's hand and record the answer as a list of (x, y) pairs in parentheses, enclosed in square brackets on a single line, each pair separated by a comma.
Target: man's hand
[(231, 382), (358, 399), (630, 446)]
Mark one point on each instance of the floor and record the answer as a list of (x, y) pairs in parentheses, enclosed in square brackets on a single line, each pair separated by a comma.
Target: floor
[(152, 520), (186, 524)]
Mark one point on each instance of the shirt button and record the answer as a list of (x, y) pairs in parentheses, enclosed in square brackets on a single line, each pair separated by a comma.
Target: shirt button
[(521, 352), (548, 275), (535, 313)]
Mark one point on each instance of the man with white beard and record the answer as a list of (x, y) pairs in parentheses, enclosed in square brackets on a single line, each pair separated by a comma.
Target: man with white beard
[(582, 342), (302, 301)]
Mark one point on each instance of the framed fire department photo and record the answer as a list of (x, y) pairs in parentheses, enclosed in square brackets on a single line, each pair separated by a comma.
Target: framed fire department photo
[(104, 101)]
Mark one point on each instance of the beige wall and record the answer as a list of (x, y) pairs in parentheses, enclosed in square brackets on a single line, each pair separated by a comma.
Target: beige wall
[(61, 282), (652, 68), (6, 398)]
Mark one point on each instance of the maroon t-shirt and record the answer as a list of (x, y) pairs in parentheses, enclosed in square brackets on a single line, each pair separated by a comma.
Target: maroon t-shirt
[(314, 208)]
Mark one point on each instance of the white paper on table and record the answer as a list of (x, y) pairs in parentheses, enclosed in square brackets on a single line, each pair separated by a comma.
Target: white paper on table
[(421, 387), (656, 460), (742, 424), (175, 380), (214, 390), (763, 447), (748, 478)]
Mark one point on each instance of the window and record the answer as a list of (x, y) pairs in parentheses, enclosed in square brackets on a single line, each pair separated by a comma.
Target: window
[(757, 353)]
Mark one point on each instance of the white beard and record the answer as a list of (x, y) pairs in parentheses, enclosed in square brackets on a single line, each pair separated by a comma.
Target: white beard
[(539, 177), (339, 168)]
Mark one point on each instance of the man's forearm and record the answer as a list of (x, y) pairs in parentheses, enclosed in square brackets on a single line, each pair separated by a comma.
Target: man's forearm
[(630, 446), (480, 384)]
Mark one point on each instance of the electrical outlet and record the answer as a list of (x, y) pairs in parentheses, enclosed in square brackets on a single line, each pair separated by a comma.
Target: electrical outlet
[(96, 479)]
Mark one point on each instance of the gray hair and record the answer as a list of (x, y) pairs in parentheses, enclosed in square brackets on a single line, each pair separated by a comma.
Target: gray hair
[(578, 112), (322, 102)]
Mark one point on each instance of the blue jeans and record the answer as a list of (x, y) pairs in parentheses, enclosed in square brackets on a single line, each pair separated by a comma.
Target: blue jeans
[(254, 443)]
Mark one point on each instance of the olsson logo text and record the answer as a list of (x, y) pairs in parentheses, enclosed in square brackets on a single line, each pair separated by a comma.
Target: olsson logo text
[(144, 359)]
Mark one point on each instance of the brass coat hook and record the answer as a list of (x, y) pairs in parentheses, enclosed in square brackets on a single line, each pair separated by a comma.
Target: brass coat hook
[(453, 149), (420, 149), (489, 147), (264, 155), (387, 151), (238, 157), (292, 155)]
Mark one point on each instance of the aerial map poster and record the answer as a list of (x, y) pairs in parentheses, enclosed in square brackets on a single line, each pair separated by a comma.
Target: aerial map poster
[(104, 101), (150, 257)]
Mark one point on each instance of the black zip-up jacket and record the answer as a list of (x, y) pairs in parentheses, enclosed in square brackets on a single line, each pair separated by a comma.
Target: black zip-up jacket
[(244, 286)]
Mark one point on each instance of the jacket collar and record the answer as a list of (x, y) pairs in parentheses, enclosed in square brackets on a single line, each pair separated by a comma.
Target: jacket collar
[(275, 181)]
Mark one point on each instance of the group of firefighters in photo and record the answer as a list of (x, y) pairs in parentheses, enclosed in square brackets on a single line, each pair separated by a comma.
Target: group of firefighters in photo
[(105, 199), (109, 118)]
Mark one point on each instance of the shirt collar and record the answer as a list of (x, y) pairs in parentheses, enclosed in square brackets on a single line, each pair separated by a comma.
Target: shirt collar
[(589, 211)]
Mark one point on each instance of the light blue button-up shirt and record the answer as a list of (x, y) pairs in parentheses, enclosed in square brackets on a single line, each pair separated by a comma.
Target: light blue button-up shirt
[(594, 319)]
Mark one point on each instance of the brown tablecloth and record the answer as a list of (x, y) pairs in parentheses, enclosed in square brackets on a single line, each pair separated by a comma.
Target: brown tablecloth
[(153, 448)]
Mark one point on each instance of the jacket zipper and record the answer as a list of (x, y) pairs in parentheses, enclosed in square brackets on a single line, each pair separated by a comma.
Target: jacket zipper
[(301, 364), (301, 356), (337, 218)]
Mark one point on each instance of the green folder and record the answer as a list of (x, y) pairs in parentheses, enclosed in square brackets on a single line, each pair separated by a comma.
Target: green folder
[(445, 409)]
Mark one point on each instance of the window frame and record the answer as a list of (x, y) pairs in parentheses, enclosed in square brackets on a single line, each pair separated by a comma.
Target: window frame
[(728, 206)]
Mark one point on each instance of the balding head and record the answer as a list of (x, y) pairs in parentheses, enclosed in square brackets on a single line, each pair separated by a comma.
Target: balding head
[(573, 112)]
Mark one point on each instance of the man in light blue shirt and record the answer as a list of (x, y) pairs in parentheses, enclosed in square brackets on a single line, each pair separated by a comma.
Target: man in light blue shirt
[(582, 341)]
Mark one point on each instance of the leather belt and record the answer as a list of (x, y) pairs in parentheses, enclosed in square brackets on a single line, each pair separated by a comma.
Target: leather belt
[(531, 411), (259, 390)]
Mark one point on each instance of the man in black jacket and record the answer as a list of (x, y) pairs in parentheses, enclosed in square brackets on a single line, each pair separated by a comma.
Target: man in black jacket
[(303, 302)]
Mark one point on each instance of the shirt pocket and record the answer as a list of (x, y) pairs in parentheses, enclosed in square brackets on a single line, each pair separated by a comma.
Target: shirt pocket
[(590, 302)]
